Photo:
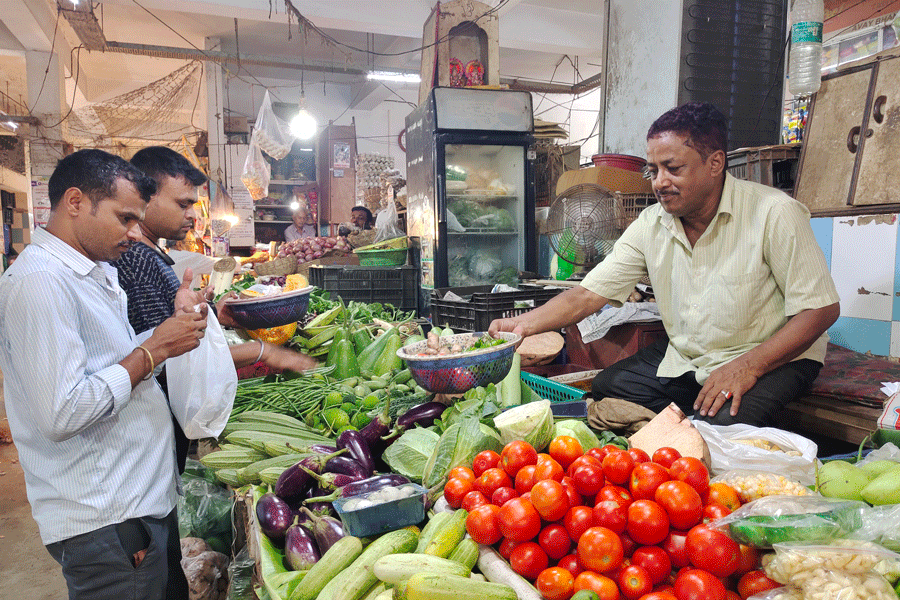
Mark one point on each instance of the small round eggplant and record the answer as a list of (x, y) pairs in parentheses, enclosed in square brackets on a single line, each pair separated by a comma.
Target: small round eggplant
[(274, 517), (327, 530), (300, 550)]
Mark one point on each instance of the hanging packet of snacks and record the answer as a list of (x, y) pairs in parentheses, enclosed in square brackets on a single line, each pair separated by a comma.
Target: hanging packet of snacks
[(273, 135), (256, 173)]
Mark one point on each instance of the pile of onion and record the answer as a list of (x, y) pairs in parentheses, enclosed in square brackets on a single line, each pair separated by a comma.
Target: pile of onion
[(311, 248)]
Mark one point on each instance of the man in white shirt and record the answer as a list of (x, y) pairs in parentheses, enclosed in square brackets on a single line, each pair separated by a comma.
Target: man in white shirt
[(92, 427)]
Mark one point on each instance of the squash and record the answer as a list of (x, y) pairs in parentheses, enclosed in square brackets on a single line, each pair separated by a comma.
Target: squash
[(274, 335)]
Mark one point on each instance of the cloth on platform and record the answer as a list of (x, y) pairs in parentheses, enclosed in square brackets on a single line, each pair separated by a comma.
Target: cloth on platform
[(597, 325), (618, 415)]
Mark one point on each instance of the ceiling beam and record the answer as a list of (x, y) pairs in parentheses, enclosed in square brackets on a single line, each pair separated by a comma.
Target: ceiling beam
[(30, 22)]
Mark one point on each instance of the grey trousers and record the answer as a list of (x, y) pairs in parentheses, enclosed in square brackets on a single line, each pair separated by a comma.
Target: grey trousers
[(99, 565)]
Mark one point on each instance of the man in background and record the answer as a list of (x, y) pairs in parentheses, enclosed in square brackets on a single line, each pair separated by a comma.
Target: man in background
[(92, 427)]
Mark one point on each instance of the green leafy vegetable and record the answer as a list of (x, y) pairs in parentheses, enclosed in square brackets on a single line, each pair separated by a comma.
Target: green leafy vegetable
[(409, 454), (532, 422), (579, 431), (457, 446)]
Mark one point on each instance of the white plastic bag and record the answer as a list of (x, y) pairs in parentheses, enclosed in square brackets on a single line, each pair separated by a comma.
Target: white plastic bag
[(256, 173), (273, 135), (388, 223), (202, 384), (796, 459)]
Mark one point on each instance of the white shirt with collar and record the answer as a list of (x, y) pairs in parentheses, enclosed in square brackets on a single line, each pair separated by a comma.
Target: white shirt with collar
[(94, 451)]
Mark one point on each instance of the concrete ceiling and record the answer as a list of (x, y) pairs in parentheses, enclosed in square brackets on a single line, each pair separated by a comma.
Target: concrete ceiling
[(536, 36)]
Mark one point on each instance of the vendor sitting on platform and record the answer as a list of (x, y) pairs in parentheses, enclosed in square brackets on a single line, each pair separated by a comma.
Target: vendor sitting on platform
[(361, 219), (743, 289), (303, 226)]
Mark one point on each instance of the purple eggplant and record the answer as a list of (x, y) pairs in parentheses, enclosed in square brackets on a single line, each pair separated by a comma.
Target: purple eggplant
[(347, 466), (377, 428), (358, 448), (313, 449), (292, 483), (362, 486), (423, 415), (300, 550), (274, 517), (327, 530)]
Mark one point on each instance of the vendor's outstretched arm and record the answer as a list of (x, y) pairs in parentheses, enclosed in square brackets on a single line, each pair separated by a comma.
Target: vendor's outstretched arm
[(568, 308), (741, 374)]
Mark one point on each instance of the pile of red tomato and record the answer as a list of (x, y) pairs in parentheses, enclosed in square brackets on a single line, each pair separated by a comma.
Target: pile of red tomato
[(620, 523)]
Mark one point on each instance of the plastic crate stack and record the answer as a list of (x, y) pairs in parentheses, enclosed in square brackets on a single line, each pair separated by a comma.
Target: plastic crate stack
[(482, 306), (369, 168), (398, 286)]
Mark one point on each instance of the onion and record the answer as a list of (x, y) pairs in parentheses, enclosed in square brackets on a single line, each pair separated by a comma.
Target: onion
[(301, 260), (309, 256), (317, 254), (315, 247)]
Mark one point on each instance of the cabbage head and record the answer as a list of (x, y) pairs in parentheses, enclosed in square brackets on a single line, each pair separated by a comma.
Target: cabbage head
[(532, 422), (578, 430), (409, 453)]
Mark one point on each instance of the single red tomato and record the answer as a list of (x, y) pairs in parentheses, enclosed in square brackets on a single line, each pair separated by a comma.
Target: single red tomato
[(564, 449), (483, 525), (525, 479), (697, 584), (528, 560), (484, 461), (569, 562), (501, 495), (755, 582), (554, 540), (455, 490), (645, 478), (711, 550), (634, 581), (655, 560), (516, 455), (693, 472), (638, 455), (588, 479), (628, 544), (603, 586), (749, 560), (506, 548), (609, 514), (581, 460), (473, 499), (674, 545), (491, 480), (647, 522), (550, 499), (608, 448), (578, 520), (724, 494), (519, 520), (665, 456), (597, 454), (548, 469), (461, 473), (526, 496), (681, 502), (617, 467), (659, 595), (575, 498), (713, 511), (616, 493), (730, 595), (600, 550), (555, 583)]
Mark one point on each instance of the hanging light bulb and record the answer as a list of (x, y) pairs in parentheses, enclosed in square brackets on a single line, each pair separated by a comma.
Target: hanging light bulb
[(303, 125)]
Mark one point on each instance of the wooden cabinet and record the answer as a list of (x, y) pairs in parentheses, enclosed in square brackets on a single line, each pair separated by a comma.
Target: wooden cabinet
[(850, 163), (336, 165), (619, 343)]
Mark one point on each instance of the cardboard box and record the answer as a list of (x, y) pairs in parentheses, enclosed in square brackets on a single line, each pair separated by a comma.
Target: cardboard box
[(611, 178)]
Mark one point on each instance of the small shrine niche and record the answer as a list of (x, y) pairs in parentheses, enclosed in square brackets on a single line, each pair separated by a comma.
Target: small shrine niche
[(462, 47)]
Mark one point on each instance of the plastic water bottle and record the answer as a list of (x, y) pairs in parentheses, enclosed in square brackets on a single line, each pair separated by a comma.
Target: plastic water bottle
[(806, 47)]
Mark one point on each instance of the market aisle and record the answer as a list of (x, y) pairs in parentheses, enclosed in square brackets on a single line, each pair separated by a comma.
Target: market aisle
[(27, 571)]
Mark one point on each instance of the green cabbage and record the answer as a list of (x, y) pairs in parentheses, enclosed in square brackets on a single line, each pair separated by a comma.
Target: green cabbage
[(458, 446), (578, 430), (532, 422), (409, 453)]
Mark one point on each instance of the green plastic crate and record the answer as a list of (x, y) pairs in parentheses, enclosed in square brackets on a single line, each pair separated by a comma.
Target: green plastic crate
[(551, 390)]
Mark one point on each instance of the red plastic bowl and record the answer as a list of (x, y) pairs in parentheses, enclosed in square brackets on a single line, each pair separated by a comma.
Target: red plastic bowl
[(620, 161)]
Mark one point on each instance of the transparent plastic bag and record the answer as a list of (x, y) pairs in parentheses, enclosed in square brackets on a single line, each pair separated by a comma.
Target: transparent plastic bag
[(742, 446), (880, 524), (782, 593), (240, 574), (256, 173), (387, 223), (204, 508), (271, 134), (751, 485), (207, 575), (779, 519)]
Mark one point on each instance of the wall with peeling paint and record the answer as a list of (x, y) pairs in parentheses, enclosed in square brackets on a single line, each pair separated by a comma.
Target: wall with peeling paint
[(862, 253), (644, 51)]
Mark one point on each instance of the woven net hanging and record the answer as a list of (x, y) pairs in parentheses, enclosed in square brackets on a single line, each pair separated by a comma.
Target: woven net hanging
[(158, 112)]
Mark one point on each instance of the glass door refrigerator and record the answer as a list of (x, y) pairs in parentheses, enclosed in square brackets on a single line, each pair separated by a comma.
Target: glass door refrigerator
[(470, 188)]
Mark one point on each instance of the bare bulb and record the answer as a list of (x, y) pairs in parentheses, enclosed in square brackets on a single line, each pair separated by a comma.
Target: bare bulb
[(303, 125)]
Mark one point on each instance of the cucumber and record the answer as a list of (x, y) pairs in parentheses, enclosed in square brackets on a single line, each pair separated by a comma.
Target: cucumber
[(395, 568), (436, 522), (448, 535), (438, 586), (354, 581), (465, 553), (336, 559)]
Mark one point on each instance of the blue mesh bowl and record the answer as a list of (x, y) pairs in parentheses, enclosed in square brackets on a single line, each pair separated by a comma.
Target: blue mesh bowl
[(462, 372), (270, 311)]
